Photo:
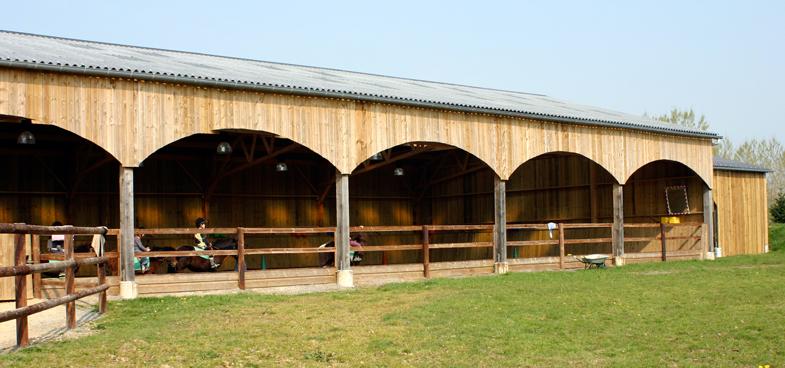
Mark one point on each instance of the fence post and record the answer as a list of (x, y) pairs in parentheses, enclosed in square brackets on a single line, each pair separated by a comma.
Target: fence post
[(101, 281), (21, 290), (662, 239), (241, 258), (561, 247), (705, 240), (37, 292), (618, 224), (425, 252), (70, 307)]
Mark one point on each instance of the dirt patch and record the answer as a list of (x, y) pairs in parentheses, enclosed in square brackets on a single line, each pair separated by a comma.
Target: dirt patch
[(49, 324)]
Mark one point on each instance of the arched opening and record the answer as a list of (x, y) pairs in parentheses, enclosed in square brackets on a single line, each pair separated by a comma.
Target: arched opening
[(424, 183), (59, 178), (558, 187), (267, 181), (63, 178), (666, 192)]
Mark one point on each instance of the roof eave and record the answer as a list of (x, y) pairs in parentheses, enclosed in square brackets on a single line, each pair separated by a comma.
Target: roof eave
[(725, 168)]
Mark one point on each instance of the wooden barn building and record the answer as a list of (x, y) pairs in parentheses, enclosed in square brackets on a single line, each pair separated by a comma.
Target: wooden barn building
[(444, 179)]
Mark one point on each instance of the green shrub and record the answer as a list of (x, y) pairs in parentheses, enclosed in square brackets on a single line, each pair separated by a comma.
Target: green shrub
[(776, 237), (777, 210)]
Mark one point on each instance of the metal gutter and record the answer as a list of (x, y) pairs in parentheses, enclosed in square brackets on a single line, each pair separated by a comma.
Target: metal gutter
[(726, 168), (155, 77)]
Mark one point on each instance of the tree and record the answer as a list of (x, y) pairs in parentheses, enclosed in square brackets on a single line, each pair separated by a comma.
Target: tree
[(685, 118), (766, 153), (777, 210), (769, 154)]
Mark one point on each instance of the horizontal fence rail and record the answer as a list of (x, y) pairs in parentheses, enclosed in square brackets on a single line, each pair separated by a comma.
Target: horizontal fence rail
[(426, 233), (67, 262), (241, 252), (562, 241)]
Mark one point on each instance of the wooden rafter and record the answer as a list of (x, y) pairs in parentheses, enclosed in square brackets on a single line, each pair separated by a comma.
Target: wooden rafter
[(189, 175), (227, 158), (326, 187), (224, 173), (269, 147), (248, 155), (388, 159), (456, 175), (50, 172), (306, 179), (428, 183), (86, 157), (407, 186)]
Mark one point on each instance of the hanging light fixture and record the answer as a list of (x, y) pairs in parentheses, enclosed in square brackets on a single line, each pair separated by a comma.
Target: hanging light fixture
[(224, 148), (26, 137), (377, 157), (398, 171), (281, 167)]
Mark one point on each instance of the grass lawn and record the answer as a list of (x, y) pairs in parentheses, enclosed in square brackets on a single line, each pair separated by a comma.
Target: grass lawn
[(724, 313)]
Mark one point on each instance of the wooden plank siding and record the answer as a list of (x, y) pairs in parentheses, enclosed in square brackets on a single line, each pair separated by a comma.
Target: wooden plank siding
[(742, 213), (131, 119)]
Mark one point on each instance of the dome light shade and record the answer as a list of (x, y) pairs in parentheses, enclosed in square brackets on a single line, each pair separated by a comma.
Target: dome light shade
[(26, 138), (398, 172), (281, 167), (377, 157), (224, 148)]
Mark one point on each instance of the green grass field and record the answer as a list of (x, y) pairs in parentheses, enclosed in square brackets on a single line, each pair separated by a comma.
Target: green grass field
[(724, 313)]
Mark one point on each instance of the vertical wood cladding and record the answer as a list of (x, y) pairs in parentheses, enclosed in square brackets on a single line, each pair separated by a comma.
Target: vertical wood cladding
[(131, 119), (742, 213)]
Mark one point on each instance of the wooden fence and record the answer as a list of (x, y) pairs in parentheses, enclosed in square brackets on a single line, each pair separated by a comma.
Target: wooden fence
[(243, 278), (565, 262), (68, 263)]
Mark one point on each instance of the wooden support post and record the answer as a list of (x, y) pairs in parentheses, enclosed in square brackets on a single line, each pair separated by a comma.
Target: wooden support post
[(101, 281), (36, 252), (342, 222), (618, 223), (593, 190), (705, 237), (561, 246), (708, 218), (70, 307), (500, 224), (662, 239), (125, 240), (426, 253), (241, 258), (21, 290)]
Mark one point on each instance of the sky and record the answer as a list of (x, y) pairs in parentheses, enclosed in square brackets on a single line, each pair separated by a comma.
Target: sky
[(725, 60)]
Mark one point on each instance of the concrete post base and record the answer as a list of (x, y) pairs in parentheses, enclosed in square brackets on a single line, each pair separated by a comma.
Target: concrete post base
[(129, 289), (618, 261), (345, 278), (501, 268), (710, 256)]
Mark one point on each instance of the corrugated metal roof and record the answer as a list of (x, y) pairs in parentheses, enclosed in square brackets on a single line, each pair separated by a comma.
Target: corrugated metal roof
[(68, 54), (731, 165)]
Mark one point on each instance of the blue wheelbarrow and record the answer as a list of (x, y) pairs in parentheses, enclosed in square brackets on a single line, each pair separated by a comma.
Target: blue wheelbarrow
[(593, 261)]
